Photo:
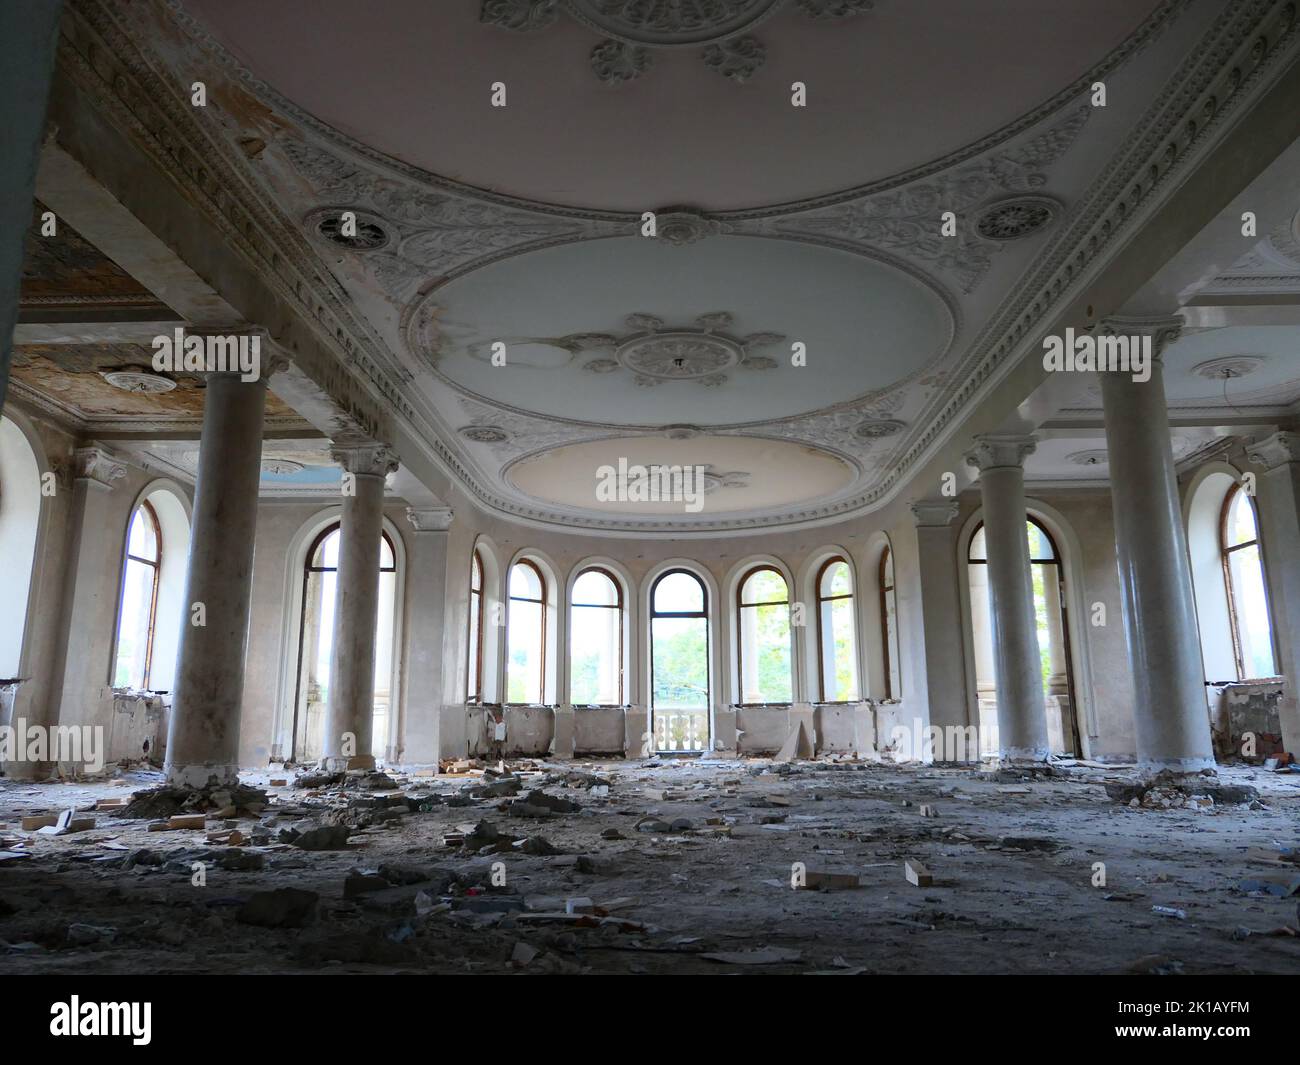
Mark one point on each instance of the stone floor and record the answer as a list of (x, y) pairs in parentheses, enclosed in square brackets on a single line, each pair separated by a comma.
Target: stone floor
[(703, 885)]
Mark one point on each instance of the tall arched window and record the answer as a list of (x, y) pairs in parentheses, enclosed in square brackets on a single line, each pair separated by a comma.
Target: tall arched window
[(1243, 570), (526, 625), (1048, 583), (474, 673), (679, 661), (837, 656), (139, 603), (763, 609), (596, 640), (316, 644), (889, 627)]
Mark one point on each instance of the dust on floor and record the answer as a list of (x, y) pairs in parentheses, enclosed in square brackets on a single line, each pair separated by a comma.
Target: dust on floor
[(681, 866)]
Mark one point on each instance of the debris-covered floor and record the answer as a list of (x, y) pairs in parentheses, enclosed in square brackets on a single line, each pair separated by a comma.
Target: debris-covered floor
[(672, 866)]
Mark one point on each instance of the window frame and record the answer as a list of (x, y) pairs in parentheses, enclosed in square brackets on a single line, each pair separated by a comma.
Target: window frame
[(1225, 561), (475, 677), (155, 565), (703, 612), (819, 599), (511, 598), (618, 606), (740, 632), (886, 557)]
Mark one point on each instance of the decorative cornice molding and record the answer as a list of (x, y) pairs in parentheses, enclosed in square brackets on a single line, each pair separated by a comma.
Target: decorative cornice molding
[(934, 513), (1275, 451), (998, 451)]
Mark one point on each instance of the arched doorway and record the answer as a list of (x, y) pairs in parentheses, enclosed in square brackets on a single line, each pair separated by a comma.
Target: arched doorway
[(1051, 613), (316, 645), (679, 662)]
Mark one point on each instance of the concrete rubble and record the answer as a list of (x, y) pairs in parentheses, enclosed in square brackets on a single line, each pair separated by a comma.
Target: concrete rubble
[(826, 866)]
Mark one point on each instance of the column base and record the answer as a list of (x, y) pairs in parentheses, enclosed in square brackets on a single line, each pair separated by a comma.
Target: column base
[(1024, 756), (1186, 767), (204, 775), (333, 763)]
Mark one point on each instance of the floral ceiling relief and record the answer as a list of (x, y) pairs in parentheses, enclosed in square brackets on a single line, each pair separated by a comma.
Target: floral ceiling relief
[(634, 30)]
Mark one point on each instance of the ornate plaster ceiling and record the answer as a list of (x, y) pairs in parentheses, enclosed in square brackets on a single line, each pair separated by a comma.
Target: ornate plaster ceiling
[(72, 380), (635, 332), (523, 224), (892, 88), (743, 474), (291, 468)]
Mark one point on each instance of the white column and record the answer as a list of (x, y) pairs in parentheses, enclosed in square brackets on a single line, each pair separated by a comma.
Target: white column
[(350, 720), (203, 738), (1170, 718), (1022, 721), (1278, 500)]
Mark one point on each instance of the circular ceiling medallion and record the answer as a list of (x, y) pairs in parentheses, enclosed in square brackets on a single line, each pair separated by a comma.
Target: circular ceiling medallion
[(140, 382), (679, 356), (1092, 457), (359, 231), (1228, 367), (484, 434), (672, 23), (874, 430), (281, 466), (1013, 219)]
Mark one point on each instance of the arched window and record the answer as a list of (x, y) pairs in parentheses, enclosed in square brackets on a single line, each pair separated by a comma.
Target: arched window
[(679, 661), (763, 609), (474, 674), (139, 603), (889, 627), (1053, 634), (837, 657), (526, 625), (316, 644), (1243, 570), (596, 640)]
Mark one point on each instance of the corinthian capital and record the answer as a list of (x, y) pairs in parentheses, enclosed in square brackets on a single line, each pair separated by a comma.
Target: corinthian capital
[(994, 451), (1162, 329), (96, 465), (373, 460), (1276, 450)]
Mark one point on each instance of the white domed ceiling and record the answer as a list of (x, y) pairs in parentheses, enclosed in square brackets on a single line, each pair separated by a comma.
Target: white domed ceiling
[(737, 474), (781, 234), (631, 332), (892, 85)]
